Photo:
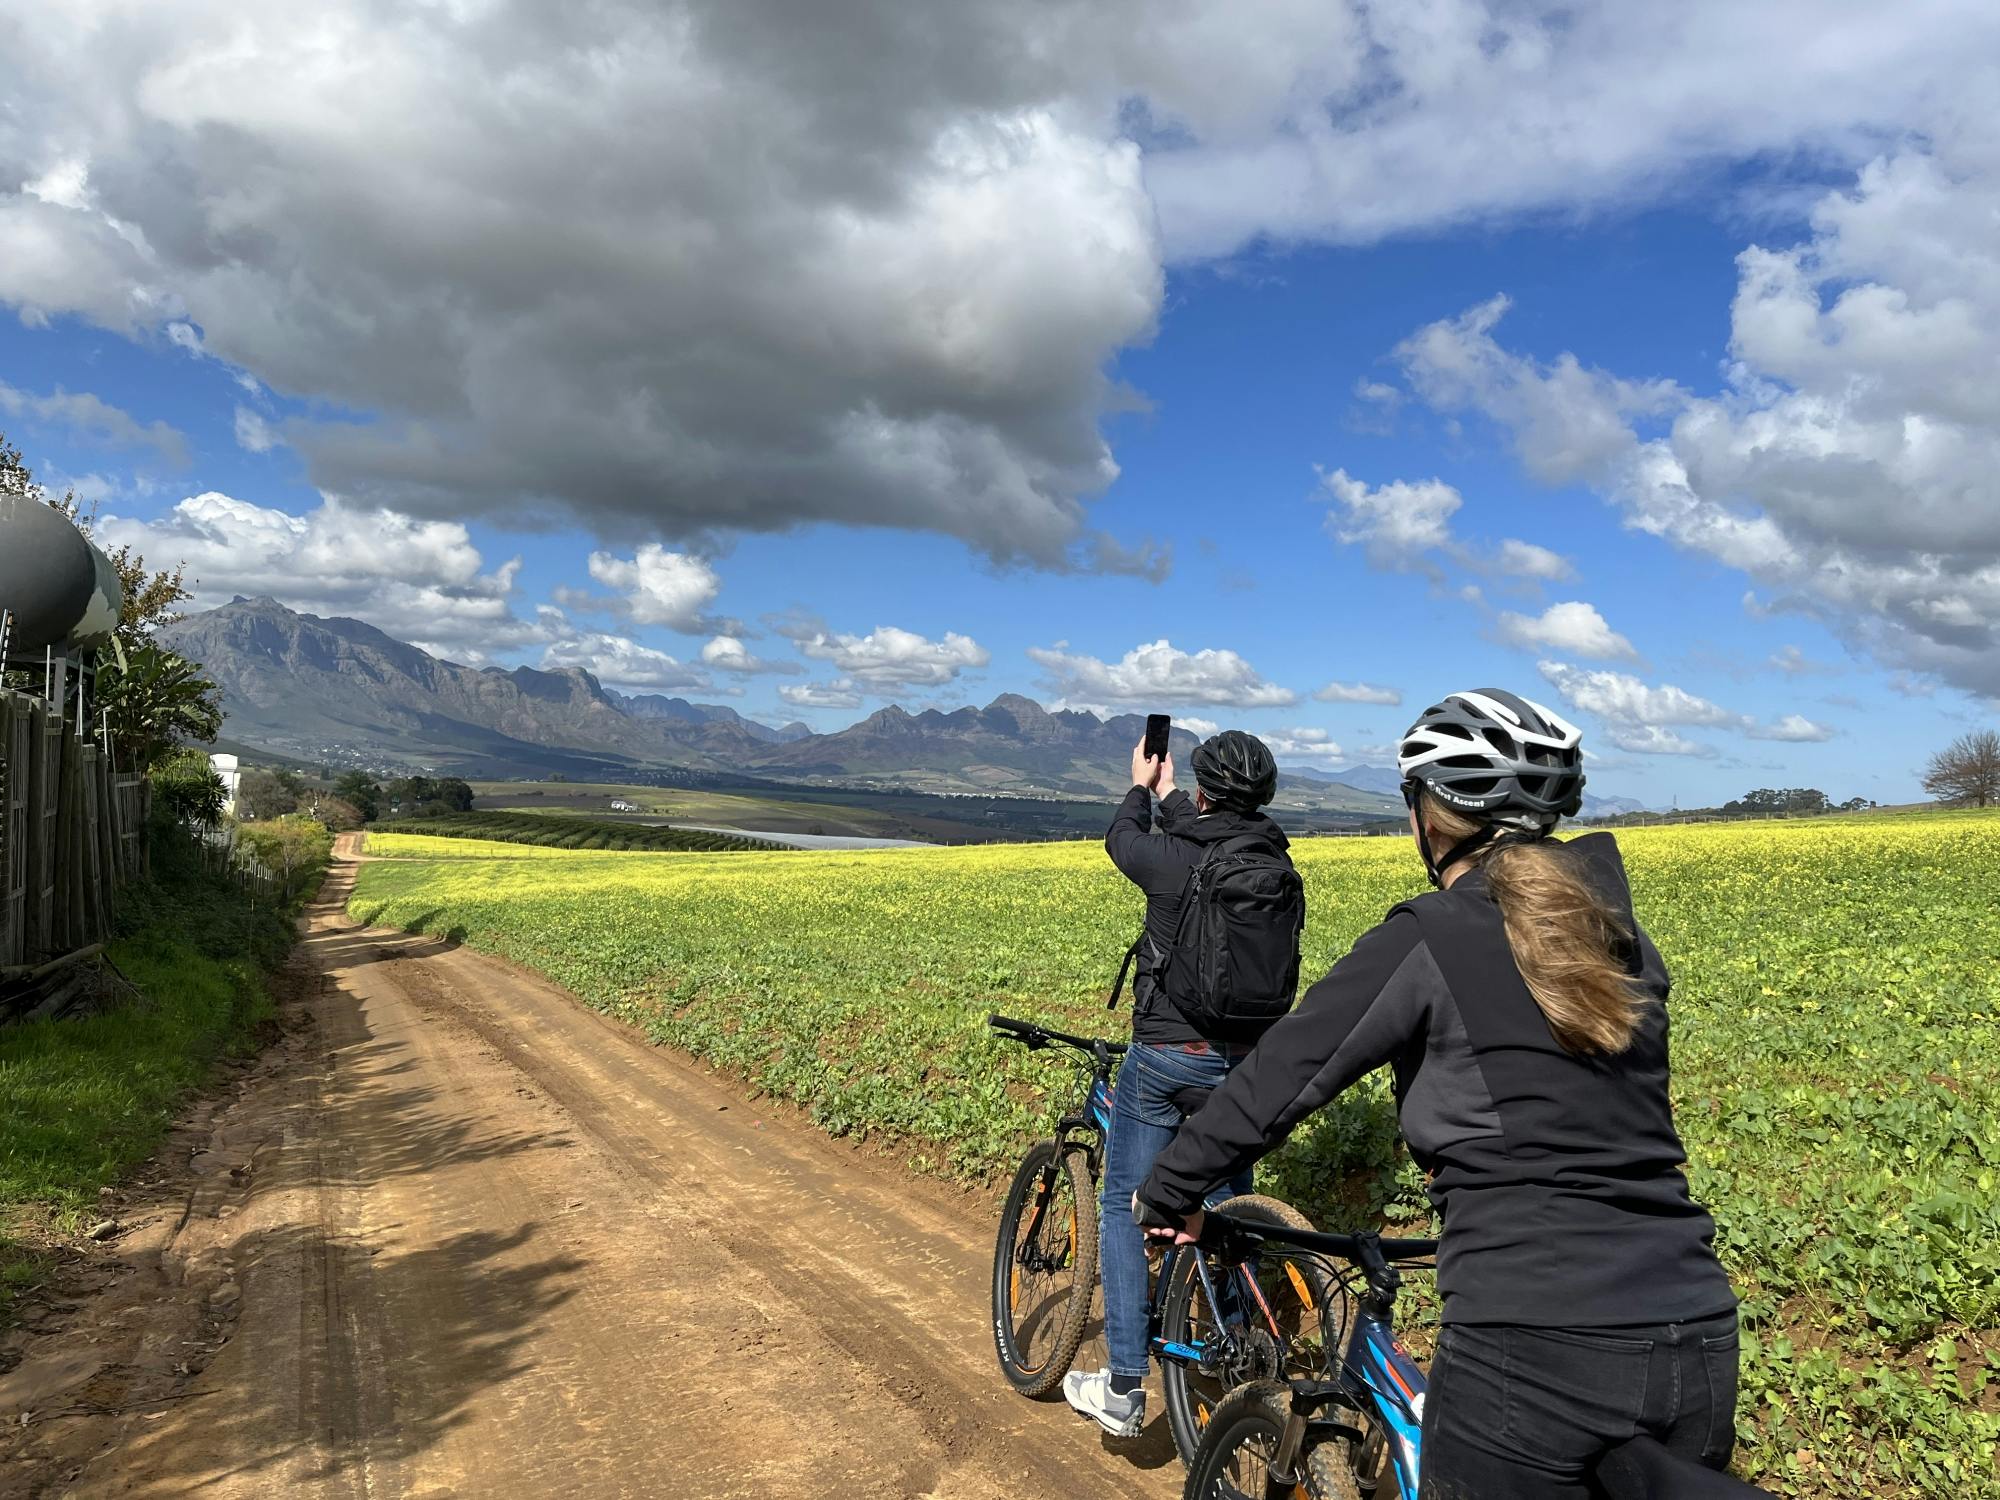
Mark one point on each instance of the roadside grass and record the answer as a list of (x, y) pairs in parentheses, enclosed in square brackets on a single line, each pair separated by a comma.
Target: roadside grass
[(84, 1101), (1836, 1062)]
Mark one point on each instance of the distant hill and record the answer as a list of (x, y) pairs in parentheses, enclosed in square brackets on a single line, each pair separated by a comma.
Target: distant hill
[(1385, 779), (342, 692), (1609, 807), (680, 711)]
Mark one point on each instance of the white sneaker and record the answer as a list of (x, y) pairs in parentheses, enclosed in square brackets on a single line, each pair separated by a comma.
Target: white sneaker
[(1092, 1396)]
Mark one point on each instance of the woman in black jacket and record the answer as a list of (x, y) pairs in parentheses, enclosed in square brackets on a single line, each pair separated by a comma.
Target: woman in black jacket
[(1524, 1013)]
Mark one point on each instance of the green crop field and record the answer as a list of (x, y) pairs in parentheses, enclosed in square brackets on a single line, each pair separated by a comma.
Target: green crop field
[(1837, 1068)]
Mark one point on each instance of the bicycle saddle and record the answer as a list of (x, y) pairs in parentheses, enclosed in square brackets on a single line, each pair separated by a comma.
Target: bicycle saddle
[(1190, 1099), (1642, 1470)]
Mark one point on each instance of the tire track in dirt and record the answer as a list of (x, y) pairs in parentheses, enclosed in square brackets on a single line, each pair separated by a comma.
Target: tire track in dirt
[(461, 1236)]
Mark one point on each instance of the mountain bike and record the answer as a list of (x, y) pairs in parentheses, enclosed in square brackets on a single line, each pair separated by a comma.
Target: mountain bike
[(1353, 1430), (1215, 1319)]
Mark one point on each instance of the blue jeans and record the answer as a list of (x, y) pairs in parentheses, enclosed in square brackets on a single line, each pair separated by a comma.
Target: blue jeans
[(1143, 1120)]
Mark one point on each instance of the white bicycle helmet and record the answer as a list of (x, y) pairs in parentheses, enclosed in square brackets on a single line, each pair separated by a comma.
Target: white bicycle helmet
[(1509, 762)]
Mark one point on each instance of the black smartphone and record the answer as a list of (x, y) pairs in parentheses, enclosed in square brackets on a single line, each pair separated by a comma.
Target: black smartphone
[(1157, 728)]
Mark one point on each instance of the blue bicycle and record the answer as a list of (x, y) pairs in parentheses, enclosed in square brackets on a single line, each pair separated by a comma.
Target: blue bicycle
[(1354, 1429), (1216, 1320)]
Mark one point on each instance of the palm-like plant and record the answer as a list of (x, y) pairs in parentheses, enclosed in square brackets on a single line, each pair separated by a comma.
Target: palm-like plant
[(156, 699)]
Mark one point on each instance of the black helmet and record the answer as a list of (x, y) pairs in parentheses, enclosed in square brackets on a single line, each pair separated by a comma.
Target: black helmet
[(1498, 757), (1236, 770)]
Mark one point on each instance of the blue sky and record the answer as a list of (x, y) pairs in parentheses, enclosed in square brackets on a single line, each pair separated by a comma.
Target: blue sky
[(811, 443)]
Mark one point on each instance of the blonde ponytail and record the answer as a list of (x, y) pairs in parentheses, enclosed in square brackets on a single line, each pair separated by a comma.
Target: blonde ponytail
[(1565, 938)]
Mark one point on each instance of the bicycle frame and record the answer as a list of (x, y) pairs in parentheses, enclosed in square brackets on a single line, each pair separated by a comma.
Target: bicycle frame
[(1377, 1370), (1375, 1375), (1085, 1128)]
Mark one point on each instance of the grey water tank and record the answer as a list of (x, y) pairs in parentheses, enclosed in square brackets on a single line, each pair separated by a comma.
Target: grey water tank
[(100, 614), (48, 574)]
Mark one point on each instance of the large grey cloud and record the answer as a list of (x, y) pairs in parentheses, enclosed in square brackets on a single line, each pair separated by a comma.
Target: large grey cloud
[(725, 264)]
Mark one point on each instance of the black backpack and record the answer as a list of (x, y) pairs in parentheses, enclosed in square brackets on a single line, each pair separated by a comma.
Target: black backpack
[(1233, 968)]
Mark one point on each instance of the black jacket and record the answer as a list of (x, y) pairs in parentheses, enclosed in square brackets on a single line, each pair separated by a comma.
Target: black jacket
[(1159, 863), (1558, 1178)]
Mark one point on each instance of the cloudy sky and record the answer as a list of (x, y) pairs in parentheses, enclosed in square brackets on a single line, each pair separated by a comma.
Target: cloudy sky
[(1284, 362)]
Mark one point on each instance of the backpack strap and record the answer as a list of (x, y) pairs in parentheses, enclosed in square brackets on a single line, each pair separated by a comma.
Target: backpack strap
[(1124, 968), (1209, 856)]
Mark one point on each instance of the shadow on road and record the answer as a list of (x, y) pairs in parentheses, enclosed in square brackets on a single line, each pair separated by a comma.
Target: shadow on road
[(410, 1338)]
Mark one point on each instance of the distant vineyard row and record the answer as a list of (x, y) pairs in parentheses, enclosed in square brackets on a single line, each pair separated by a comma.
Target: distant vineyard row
[(572, 833)]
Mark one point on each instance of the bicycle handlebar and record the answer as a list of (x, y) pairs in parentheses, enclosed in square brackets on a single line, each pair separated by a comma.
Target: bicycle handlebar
[(1218, 1227), (1033, 1036)]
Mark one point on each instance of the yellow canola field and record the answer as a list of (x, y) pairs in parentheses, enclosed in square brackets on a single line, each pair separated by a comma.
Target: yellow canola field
[(1837, 986)]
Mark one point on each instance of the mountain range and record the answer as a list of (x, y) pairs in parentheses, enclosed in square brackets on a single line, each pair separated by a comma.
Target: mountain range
[(341, 692)]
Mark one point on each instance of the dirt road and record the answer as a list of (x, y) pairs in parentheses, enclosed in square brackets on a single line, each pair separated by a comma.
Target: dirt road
[(458, 1236)]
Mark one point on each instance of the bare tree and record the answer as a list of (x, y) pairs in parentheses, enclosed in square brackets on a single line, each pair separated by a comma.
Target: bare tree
[(1966, 773)]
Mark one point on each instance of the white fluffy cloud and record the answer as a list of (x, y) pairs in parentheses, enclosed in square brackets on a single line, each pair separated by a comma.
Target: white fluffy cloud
[(1304, 744), (1405, 525), (1573, 626), (1621, 696), (1160, 675), (1359, 692), (421, 581), (656, 587), (1526, 560), (888, 658), (839, 693), (1651, 739), (1793, 728), (727, 653), (1419, 115), (1398, 523), (623, 663), (253, 433), (1849, 465), (1641, 717)]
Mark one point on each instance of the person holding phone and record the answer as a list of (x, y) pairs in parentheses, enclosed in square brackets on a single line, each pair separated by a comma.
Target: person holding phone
[(1183, 1042)]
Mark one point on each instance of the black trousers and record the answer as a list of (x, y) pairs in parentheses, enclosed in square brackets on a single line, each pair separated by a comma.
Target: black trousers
[(1524, 1413)]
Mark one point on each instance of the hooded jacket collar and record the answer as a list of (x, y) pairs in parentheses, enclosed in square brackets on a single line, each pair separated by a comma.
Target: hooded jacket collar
[(1178, 817), (1602, 865)]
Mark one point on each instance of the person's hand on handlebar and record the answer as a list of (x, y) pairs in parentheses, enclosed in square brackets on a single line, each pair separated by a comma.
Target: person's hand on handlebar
[(1157, 1229)]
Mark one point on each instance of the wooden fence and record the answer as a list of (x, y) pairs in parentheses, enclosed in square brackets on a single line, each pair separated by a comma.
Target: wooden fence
[(71, 833)]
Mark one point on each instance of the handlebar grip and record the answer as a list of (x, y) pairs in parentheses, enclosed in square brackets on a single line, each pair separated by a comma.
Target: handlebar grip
[(1148, 1217), (1013, 1027)]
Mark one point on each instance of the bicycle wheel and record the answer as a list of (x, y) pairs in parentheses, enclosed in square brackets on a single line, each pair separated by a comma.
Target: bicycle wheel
[(1233, 1461), (1044, 1268), (1238, 1343)]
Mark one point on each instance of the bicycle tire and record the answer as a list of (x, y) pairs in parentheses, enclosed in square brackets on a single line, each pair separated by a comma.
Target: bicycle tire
[(1241, 1436), (1190, 1397), (1036, 1336)]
